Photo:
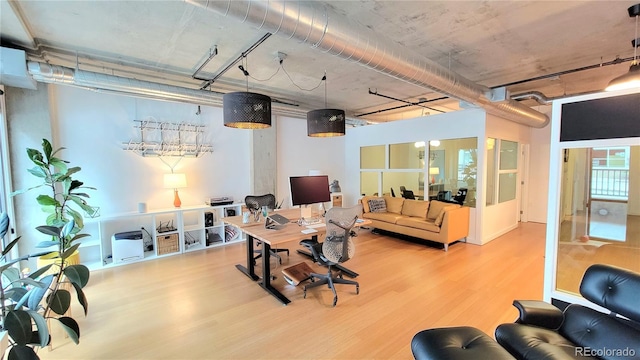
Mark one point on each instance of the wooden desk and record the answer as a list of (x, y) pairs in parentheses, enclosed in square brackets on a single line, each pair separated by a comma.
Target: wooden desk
[(288, 232), (256, 230)]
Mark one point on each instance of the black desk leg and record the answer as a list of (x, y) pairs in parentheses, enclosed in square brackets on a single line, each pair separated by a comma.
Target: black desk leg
[(266, 275), (250, 269)]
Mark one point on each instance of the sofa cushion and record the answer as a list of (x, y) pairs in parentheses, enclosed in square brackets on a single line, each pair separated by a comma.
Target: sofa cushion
[(417, 208), (377, 205), (386, 217), (438, 220), (435, 207), (418, 223), (394, 204)]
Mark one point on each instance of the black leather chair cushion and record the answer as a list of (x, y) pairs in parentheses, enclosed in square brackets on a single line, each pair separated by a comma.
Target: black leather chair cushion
[(534, 343), (613, 288), (456, 343), (590, 328)]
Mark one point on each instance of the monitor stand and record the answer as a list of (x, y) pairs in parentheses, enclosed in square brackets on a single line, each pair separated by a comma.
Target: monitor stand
[(305, 212)]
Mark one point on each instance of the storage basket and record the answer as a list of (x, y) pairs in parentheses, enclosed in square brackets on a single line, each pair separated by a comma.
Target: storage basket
[(168, 244)]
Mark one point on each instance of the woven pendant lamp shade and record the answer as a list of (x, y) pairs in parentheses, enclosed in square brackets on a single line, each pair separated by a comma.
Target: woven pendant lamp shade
[(246, 110), (325, 123)]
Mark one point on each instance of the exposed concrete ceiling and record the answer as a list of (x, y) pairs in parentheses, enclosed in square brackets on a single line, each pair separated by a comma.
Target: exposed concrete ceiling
[(492, 43)]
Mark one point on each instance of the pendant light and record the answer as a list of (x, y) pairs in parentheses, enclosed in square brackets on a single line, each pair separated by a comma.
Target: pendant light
[(631, 79), (246, 110), (325, 122)]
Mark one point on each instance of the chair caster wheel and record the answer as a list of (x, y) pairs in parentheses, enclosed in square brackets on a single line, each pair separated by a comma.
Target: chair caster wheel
[(357, 290)]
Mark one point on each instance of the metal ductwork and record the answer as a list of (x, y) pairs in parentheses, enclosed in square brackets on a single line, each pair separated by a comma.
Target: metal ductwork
[(54, 74), (333, 33)]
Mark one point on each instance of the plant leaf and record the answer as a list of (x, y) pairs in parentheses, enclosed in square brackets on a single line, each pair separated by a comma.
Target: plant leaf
[(22, 352), (46, 200), (82, 299), (47, 148), (66, 229), (70, 251), (40, 271), (71, 327), (49, 230), (46, 244), (10, 246), (75, 184), (36, 294), (4, 224), (59, 165), (37, 171), (79, 236), (41, 325), (77, 274), (59, 301), (18, 324), (36, 157), (15, 293)]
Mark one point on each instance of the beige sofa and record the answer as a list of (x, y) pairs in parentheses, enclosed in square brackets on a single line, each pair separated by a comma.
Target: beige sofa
[(430, 220)]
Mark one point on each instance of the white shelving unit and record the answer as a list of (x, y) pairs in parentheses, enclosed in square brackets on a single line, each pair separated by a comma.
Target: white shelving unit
[(166, 232)]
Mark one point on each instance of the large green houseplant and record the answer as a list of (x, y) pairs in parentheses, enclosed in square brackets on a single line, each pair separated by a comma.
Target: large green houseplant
[(64, 191), (28, 302)]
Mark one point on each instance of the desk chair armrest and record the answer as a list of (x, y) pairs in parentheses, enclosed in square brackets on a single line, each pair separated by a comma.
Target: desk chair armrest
[(538, 313)]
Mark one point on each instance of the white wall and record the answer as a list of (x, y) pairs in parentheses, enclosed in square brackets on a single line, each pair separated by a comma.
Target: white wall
[(297, 154), (536, 202), (92, 127), (500, 218)]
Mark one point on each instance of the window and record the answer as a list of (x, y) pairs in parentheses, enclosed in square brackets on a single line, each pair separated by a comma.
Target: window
[(502, 181)]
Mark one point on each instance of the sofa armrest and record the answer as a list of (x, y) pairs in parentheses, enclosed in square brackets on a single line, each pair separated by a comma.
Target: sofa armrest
[(538, 313), (455, 224)]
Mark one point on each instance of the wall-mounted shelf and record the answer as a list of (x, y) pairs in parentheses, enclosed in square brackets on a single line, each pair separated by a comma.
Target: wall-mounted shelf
[(161, 138)]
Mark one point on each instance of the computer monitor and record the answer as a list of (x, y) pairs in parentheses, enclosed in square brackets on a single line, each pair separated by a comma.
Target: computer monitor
[(307, 190)]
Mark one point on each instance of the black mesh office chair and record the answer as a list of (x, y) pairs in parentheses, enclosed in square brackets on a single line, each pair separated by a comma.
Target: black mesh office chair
[(254, 204), (336, 249), (408, 194), (460, 196)]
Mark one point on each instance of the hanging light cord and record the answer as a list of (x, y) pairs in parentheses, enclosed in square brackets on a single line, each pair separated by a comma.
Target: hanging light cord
[(281, 66), (324, 78), (635, 42)]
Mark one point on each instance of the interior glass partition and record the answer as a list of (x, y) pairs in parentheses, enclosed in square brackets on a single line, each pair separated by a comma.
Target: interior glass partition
[(599, 212), (439, 168), (453, 165)]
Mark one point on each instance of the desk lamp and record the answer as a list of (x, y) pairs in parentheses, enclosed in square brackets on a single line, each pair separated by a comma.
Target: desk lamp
[(175, 181)]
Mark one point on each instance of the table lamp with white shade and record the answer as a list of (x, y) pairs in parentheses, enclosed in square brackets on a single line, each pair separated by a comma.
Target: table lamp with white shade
[(434, 171), (175, 181)]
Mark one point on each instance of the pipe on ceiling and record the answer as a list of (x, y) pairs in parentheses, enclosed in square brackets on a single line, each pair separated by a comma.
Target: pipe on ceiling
[(55, 74), (333, 33)]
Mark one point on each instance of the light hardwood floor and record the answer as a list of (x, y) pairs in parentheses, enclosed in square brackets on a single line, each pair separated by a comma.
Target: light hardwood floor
[(198, 306)]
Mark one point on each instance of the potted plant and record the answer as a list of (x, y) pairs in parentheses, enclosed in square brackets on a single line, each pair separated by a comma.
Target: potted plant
[(64, 192), (29, 302)]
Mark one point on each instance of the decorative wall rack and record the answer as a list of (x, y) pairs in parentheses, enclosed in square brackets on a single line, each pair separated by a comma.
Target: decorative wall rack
[(160, 138)]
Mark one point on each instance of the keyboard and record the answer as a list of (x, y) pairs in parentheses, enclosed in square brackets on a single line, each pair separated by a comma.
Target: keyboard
[(311, 221)]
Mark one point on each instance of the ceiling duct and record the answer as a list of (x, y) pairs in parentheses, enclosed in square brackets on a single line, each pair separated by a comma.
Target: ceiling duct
[(333, 33), (55, 74)]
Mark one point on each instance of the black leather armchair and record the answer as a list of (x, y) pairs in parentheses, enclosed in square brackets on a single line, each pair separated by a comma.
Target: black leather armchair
[(544, 332)]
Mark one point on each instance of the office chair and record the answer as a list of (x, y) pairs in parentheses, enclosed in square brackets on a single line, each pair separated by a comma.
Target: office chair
[(255, 203), (460, 196), (336, 249), (408, 194), (393, 194), (402, 188)]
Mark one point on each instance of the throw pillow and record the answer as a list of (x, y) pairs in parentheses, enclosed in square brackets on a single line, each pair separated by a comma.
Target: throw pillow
[(377, 205), (435, 207), (417, 208), (440, 217), (394, 204)]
